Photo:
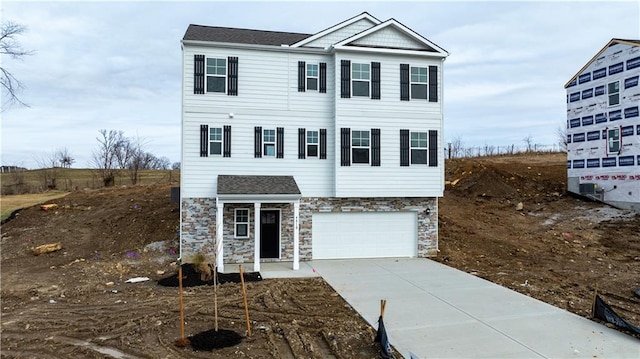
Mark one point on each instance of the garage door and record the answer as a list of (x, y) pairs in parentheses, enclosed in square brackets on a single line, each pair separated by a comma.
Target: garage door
[(364, 235)]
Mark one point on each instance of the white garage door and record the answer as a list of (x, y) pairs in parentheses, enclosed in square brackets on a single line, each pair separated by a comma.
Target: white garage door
[(364, 235)]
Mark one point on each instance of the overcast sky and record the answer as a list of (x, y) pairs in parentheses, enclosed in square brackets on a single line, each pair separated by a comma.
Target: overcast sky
[(117, 65)]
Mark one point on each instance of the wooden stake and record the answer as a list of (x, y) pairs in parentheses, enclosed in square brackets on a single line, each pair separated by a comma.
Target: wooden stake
[(383, 304), (246, 305), (182, 342), (215, 293), (593, 304)]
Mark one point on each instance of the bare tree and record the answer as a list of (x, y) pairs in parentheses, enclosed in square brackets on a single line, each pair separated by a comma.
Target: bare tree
[(528, 142), (10, 46), (175, 166), (562, 133), (64, 158), (48, 170), (104, 158)]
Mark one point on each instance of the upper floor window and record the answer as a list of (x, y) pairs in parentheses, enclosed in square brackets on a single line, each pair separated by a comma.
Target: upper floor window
[(269, 142), (360, 76), (312, 143), (215, 140), (360, 146), (419, 83), (216, 75), (419, 152), (312, 77), (613, 90)]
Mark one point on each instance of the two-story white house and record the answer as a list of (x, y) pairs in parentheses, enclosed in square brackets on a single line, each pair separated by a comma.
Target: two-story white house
[(603, 126), (311, 146)]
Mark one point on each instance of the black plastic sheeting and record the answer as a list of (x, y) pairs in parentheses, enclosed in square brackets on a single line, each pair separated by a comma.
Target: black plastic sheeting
[(191, 278), (604, 312)]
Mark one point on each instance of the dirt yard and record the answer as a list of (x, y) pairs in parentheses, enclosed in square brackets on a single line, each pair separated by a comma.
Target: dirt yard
[(75, 303)]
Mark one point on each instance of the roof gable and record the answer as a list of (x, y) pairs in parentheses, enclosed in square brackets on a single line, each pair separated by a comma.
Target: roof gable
[(596, 57), (241, 36), (391, 35), (338, 32)]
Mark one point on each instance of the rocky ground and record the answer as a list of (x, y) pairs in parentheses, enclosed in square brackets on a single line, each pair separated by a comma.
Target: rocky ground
[(75, 303)]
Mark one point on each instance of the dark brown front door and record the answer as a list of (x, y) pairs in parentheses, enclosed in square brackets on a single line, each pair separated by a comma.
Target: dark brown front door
[(270, 234)]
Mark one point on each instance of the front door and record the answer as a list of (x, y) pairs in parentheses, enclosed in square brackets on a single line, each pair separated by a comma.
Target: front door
[(269, 234)]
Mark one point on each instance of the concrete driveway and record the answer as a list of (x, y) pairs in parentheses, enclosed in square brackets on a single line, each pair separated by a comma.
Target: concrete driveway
[(435, 311)]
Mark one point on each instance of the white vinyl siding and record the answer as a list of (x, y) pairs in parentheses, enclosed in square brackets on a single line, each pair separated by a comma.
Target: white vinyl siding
[(364, 235)]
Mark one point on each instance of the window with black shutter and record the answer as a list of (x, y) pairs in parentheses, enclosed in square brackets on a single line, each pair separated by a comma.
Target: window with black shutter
[(404, 82), (433, 84), (404, 147), (345, 147), (323, 77), (257, 142), (301, 143), (198, 74), (232, 77), (375, 147), (323, 143), (345, 79), (433, 148), (204, 140), (375, 80), (280, 142), (301, 76)]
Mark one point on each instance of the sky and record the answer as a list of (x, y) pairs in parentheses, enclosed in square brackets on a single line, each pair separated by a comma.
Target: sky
[(116, 65)]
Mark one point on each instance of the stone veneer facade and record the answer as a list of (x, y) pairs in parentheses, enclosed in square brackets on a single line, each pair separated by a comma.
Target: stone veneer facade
[(199, 224)]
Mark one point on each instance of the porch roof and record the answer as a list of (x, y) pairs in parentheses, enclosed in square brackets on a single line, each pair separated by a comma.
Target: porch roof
[(278, 188)]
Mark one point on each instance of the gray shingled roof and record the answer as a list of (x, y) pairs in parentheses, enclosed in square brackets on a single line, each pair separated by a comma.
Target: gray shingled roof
[(228, 184), (241, 36)]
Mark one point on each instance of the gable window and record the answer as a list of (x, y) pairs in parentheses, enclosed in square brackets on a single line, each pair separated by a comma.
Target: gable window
[(361, 76), (418, 144), (419, 83), (312, 77), (613, 90), (360, 146), (312, 143), (241, 220), (216, 75), (215, 140), (269, 142)]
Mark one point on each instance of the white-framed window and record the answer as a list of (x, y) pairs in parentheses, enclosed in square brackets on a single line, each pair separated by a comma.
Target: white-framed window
[(269, 142), (613, 91), (312, 143), (418, 82), (418, 148), (360, 79), (312, 77), (215, 140), (613, 140), (241, 223), (216, 75), (360, 146)]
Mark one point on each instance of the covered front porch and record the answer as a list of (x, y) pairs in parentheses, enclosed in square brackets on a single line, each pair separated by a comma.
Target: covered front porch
[(259, 209)]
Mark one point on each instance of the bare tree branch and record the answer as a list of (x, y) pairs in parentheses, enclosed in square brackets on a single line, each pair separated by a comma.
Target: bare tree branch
[(11, 47)]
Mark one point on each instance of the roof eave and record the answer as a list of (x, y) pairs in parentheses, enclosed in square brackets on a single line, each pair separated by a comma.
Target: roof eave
[(235, 45), (392, 51), (262, 198)]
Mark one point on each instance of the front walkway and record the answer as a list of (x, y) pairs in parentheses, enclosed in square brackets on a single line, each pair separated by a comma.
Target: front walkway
[(435, 311)]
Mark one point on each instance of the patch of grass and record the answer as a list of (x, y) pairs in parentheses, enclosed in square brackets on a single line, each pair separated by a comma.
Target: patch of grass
[(11, 203)]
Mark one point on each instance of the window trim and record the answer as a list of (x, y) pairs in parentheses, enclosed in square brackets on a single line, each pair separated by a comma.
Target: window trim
[(424, 148), (611, 141), (425, 83), (265, 142), (316, 144), (220, 141), (316, 77), (207, 75), (360, 147), (236, 222), (617, 93), (353, 79)]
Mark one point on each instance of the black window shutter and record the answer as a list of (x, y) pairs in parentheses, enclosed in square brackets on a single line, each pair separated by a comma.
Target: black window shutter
[(301, 76), (280, 142), (198, 74), (345, 79), (375, 80), (375, 147), (323, 143), (301, 143), (257, 142), (433, 148), (323, 77), (345, 147), (227, 141), (404, 82), (204, 141), (433, 83), (232, 76), (404, 147)]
